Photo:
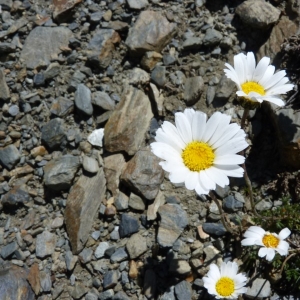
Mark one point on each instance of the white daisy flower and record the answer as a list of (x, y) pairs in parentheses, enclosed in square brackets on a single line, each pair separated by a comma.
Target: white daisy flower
[(226, 282), (257, 83), (270, 242), (198, 152)]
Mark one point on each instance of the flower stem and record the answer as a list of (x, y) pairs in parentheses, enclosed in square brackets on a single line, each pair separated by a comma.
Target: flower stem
[(214, 198), (247, 179)]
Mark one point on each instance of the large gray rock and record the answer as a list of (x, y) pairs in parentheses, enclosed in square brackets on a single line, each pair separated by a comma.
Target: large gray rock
[(83, 100), (42, 43), (9, 156), (126, 129), (54, 133), (82, 206), (260, 288), (101, 47), (173, 220), (258, 13), (136, 245), (144, 174), (60, 172), (14, 285), (4, 90), (151, 32)]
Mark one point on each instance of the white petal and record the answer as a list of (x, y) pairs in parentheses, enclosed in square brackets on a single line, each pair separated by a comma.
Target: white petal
[(254, 231), (263, 252), (214, 272), (250, 66), (172, 131), (284, 233), (198, 125), (230, 132), (191, 180), (281, 89), (267, 76), (231, 159), (232, 171), (241, 94), (189, 112), (164, 151), (218, 176), (261, 68), (171, 140), (223, 124), (206, 182), (231, 74), (211, 126), (199, 190), (274, 79), (231, 147), (183, 127), (239, 67), (270, 254), (283, 248), (248, 242), (211, 182), (274, 100), (179, 175)]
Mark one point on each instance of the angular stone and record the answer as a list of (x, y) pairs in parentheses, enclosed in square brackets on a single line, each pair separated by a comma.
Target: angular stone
[(53, 133), (9, 249), (82, 206), (193, 89), (214, 229), (138, 76), (59, 173), (103, 100), (78, 291), (61, 7), (173, 221), (231, 204), (34, 278), (4, 90), (100, 250), (258, 14), (260, 288), (126, 129), (144, 174), (9, 156), (110, 279), (183, 290), (16, 196), (45, 244), (136, 202), (179, 267), (42, 43), (70, 260), (158, 98), (136, 245), (137, 4), (13, 284), (45, 280), (121, 201), (83, 100), (223, 92), (52, 71), (212, 37), (151, 32), (158, 76), (152, 208), (128, 225), (61, 107), (101, 47), (150, 59), (113, 167), (284, 29), (192, 43), (119, 255)]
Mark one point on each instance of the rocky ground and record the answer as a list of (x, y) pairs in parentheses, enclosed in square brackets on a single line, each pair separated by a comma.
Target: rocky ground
[(80, 221)]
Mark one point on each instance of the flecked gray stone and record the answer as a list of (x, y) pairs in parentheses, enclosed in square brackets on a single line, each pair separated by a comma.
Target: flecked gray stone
[(212, 37), (214, 229), (169, 294), (158, 76), (9, 156), (8, 249), (83, 100), (53, 133), (61, 107), (120, 296), (60, 172), (128, 225), (85, 255), (106, 295), (102, 100), (260, 288), (183, 290), (110, 279), (45, 280), (90, 164), (173, 221), (224, 90), (137, 4), (100, 250), (45, 244), (121, 201), (4, 89), (16, 196), (119, 255), (193, 89), (136, 202), (136, 245), (230, 204)]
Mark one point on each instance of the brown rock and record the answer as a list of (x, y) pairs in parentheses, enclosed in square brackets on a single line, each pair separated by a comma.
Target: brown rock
[(61, 7), (201, 233), (38, 151), (151, 32), (21, 171), (82, 206), (13, 284), (150, 59), (113, 167), (133, 270), (144, 174), (126, 129), (152, 209), (4, 90), (258, 13), (110, 211), (34, 278), (281, 31)]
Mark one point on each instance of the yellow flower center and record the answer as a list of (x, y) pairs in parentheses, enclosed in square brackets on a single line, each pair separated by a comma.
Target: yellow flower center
[(252, 86), (225, 286), (198, 156), (270, 241)]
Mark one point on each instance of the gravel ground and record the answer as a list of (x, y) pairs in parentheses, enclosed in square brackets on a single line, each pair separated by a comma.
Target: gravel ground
[(86, 221)]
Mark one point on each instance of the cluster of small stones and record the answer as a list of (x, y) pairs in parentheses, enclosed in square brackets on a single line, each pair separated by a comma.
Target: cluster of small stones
[(83, 222)]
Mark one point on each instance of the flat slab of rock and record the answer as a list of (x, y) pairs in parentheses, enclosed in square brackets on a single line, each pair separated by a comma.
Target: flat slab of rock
[(45, 244), (173, 220), (82, 206), (83, 100), (260, 288), (258, 14), (113, 167), (61, 7), (101, 47), (136, 245), (144, 174), (151, 32), (126, 129), (9, 156), (4, 90), (193, 89), (60, 172), (281, 31), (13, 284), (53, 133), (42, 43)]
